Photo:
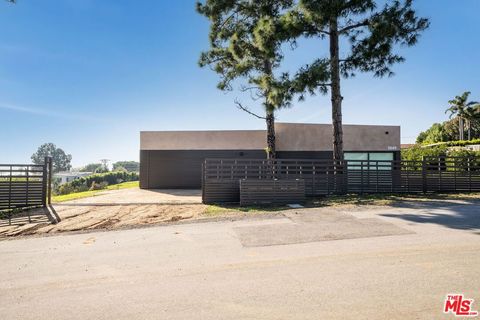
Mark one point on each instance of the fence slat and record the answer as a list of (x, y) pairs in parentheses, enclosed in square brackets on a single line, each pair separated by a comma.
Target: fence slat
[(260, 192)]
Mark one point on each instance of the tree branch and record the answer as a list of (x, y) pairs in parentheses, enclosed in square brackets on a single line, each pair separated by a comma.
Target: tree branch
[(322, 31), (239, 106), (364, 23), (245, 88), (228, 19)]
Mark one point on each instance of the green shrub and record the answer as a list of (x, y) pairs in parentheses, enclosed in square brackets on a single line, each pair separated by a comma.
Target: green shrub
[(464, 153), (101, 169), (65, 189), (416, 153), (458, 143), (121, 169), (98, 186), (85, 183), (82, 188), (462, 143)]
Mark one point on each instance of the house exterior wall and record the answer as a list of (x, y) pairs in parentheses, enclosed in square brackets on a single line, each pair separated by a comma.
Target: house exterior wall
[(318, 137), (173, 159), (289, 137), (203, 140), (65, 177)]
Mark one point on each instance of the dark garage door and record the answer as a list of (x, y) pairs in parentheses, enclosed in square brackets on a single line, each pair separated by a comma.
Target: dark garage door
[(160, 169)]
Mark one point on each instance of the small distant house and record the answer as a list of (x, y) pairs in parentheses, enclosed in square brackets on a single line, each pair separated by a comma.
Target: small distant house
[(68, 176), (173, 159)]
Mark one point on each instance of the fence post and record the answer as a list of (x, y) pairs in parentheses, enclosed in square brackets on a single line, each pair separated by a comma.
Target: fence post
[(469, 174), (50, 168), (361, 177), (424, 175), (10, 189), (203, 180), (44, 182), (27, 189)]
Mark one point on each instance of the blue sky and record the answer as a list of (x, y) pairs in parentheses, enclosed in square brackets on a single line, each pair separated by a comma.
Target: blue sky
[(88, 75)]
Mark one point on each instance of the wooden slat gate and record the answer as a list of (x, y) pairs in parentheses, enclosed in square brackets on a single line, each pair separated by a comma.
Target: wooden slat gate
[(25, 185), (221, 177)]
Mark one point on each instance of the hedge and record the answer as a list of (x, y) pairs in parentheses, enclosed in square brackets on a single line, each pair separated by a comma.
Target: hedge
[(458, 143), (85, 183), (462, 143), (417, 152)]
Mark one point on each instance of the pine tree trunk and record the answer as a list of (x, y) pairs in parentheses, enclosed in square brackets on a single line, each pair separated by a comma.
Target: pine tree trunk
[(336, 95), (270, 116), (270, 119)]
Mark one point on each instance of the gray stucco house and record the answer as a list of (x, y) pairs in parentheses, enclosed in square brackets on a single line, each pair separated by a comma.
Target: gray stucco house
[(173, 159)]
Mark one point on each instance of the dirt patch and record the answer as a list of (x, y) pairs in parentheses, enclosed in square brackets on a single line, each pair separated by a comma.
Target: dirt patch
[(75, 218), (112, 210)]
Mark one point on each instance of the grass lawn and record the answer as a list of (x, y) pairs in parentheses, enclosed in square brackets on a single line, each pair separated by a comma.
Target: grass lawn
[(349, 199), (388, 199), (86, 194), (218, 209)]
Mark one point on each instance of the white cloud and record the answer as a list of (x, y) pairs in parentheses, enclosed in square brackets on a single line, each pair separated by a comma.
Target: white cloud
[(49, 113)]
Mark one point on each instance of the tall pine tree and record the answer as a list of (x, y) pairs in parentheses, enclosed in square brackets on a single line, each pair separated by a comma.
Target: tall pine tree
[(245, 42), (371, 31)]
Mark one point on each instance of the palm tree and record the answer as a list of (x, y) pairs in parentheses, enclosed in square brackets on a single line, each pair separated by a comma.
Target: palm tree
[(472, 113), (464, 111)]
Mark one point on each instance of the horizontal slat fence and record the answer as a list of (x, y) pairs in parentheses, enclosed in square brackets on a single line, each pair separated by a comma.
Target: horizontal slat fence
[(452, 174), (221, 177), (271, 191), (24, 185)]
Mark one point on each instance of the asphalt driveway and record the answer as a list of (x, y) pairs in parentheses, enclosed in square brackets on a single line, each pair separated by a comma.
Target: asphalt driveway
[(275, 268)]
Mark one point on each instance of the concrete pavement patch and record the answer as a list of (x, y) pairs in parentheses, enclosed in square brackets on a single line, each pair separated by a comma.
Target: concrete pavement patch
[(311, 227)]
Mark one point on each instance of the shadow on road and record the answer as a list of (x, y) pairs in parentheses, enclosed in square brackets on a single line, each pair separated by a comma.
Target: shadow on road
[(178, 192), (455, 215)]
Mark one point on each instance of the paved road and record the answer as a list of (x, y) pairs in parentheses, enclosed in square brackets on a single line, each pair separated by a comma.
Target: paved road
[(402, 269)]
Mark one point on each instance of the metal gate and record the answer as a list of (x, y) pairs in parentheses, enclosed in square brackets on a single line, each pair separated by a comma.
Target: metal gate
[(25, 185)]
